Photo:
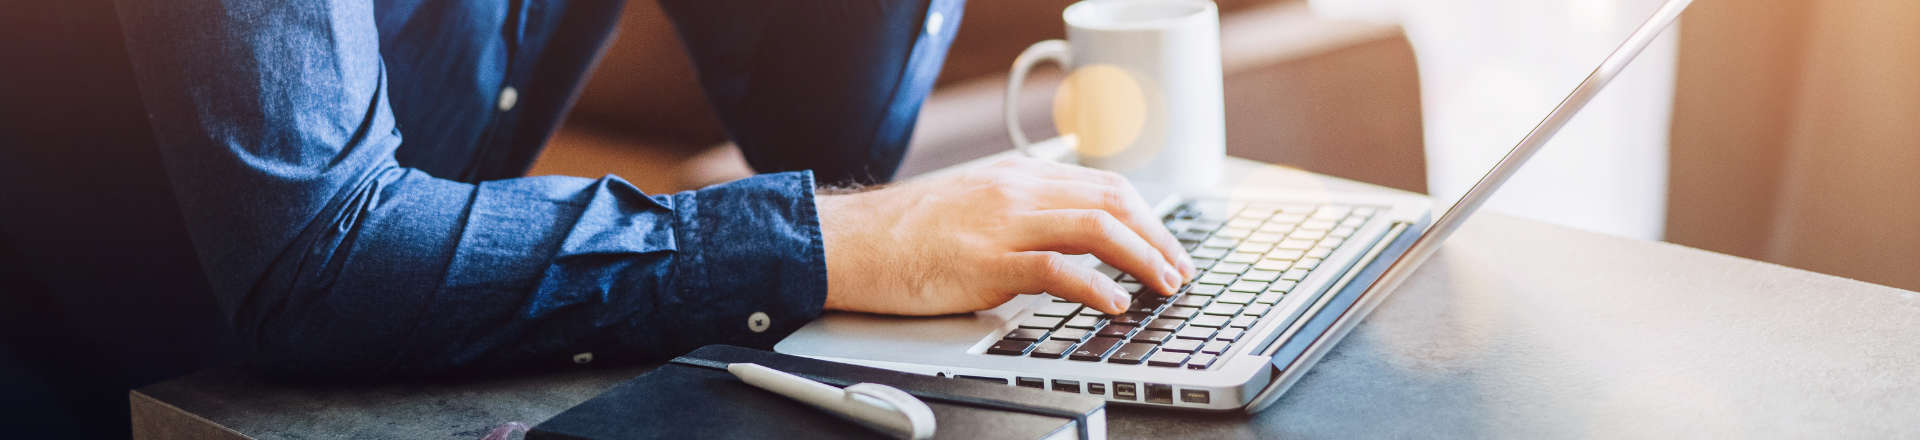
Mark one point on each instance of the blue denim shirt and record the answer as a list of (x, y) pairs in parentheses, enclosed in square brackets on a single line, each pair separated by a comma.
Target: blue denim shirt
[(347, 173)]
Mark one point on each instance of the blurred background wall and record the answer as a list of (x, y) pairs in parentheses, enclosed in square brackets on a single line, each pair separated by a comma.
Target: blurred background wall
[(1792, 137), (1796, 135)]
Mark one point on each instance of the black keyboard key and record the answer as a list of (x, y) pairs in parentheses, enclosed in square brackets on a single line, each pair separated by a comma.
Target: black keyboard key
[(1027, 334), (1040, 322), (1149, 295), (1182, 345), (1150, 302), (1167, 323), (1071, 334), (1193, 301), (1148, 307), (1215, 347), (1200, 361), (1095, 349), (1131, 318), (1133, 353), (1229, 335), (1153, 336), (1053, 349), (1180, 312), (1215, 321), (1082, 321), (1121, 331), (1010, 347), (1196, 332), (1167, 358)]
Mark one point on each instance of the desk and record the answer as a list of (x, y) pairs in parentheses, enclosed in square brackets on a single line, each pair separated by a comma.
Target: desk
[(1515, 329)]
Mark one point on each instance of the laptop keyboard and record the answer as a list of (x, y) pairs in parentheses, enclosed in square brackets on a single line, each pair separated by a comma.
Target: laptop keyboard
[(1249, 256)]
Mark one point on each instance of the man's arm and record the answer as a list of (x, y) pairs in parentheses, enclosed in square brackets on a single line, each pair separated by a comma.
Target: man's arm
[(330, 259)]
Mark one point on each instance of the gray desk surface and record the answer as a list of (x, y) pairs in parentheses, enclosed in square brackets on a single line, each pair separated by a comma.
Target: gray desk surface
[(1515, 329)]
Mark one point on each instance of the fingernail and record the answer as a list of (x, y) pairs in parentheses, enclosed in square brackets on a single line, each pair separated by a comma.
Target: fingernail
[(1121, 300), (1170, 278)]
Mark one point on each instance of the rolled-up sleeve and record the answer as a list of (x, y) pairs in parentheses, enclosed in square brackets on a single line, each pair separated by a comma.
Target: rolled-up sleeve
[(330, 259)]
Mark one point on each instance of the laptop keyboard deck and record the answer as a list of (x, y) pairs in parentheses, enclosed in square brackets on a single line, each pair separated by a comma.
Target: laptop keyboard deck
[(1250, 256)]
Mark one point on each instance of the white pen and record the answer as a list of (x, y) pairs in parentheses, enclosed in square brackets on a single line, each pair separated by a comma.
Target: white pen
[(875, 404)]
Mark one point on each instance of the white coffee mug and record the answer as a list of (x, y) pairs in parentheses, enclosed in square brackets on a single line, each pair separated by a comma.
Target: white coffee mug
[(1142, 95)]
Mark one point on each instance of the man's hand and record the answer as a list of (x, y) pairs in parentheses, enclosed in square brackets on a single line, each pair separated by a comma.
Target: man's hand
[(974, 239)]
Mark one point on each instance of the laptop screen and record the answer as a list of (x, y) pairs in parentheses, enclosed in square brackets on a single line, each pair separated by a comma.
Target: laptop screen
[(1458, 209)]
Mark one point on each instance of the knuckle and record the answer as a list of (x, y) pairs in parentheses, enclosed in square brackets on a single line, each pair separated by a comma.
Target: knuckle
[(1003, 189), (1055, 267), (1036, 268), (1097, 223), (1117, 200)]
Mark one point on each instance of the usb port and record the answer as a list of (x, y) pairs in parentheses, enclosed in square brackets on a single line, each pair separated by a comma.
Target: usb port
[(1124, 391), (1097, 389), (1071, 386), (1157, 393), (1031, 382), (1194, 396), (998, 380)]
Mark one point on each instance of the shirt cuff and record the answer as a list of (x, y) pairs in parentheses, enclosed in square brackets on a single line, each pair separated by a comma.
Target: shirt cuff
[(752, 266)]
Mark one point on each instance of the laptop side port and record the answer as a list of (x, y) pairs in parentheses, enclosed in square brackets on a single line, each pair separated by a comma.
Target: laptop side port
[(1097, 389), (998, 380), (1194, 396), (1159, 393), (1071, 386), (1030, 382), (1124, 391)]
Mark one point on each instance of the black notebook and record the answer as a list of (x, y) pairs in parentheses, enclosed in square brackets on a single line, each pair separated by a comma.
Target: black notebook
[(694, 396)]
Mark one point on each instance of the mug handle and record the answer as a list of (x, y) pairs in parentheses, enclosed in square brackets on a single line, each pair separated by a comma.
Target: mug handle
[(1051, 50)]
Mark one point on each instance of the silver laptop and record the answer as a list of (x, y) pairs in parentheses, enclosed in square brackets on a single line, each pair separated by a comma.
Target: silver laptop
[(1287, 270)]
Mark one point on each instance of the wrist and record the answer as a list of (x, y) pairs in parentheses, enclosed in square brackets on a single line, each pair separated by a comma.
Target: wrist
[(835, 238)]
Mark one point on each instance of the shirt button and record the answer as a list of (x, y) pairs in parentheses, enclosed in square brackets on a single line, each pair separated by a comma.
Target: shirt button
[(758, 322), (934, 22), (508, 97), (583, 358)]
